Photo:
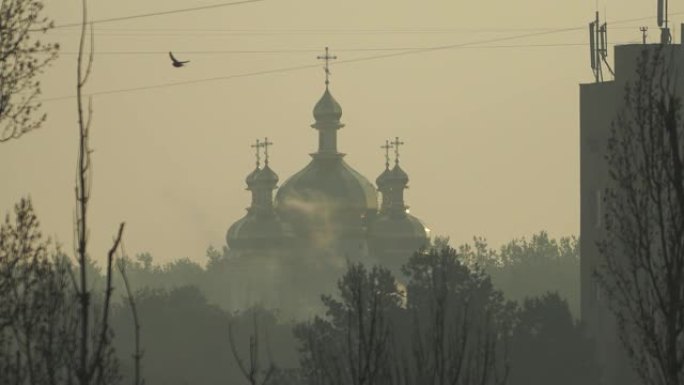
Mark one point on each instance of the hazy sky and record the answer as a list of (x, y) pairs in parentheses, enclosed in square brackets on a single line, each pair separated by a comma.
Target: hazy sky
[(491, 132)]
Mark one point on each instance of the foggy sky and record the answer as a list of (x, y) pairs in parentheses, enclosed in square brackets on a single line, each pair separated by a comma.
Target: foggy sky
[(492, 134)]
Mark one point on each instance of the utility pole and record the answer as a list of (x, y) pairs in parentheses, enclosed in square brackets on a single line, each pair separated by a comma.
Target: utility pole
[(644, 33)]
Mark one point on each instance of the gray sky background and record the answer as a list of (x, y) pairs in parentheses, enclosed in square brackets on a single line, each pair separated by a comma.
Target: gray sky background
[(491, 132)]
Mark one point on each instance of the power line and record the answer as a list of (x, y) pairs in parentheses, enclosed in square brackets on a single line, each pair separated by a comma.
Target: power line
[(175, 84), (151, 14), (330, 30), (295, 68), (268, 32), (200, 33), (362, 59), (319, 30), (305, 50)]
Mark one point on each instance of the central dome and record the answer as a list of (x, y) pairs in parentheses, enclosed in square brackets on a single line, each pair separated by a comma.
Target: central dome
[(327, 108), (327, 190)]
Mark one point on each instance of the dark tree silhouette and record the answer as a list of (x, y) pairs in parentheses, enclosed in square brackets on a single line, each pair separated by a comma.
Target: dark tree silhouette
[(461, 324), (95, 363), (130, 297), (23, 56), (549, 347), (353, 343), (644, 222), (253, 373), (450, 326), (37, 305)]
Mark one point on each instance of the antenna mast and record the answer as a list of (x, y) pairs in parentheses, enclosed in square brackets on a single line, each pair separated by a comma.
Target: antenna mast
[(665, 36), (598, 43)]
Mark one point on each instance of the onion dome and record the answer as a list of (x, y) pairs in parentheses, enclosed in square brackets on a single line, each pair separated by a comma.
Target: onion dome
[(328, 198), (385, 187), (251, 177), (327, 109), (398, 176), (393, 239), (383, 179), (327, 187), (260, 228), (266, 177), (408, 228), (254, 232)]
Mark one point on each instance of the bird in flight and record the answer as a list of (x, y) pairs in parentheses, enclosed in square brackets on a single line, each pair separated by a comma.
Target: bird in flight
[(177, 63)]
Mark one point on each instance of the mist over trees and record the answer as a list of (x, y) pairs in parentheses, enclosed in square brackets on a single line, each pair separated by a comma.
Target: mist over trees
[(401, 309), (442, 320), (525, 268)]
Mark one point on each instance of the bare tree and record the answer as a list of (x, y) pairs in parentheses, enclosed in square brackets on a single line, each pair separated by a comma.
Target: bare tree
[(137, 353), (95, 353), (23, 56), (643, 246), (53, 329), (253, 373)]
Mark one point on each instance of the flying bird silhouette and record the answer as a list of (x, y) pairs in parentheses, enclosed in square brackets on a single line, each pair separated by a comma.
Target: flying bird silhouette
[(177, 63)]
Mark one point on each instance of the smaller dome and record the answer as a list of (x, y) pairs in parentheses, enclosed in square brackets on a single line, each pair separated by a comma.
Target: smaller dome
[(252, 176), (327, 109), (404, 227), (382, 180), (266, 176), (253, 232), (398, 175)]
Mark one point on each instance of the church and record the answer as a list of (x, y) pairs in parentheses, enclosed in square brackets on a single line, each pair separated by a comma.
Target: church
[(321, 218)]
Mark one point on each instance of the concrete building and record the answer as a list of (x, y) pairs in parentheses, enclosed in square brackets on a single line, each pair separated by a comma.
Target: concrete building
[(600, 104)]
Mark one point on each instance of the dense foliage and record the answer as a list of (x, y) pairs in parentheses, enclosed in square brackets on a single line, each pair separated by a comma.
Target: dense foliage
[(528, 268)]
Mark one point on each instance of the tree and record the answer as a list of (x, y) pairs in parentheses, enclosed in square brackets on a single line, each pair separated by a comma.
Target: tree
[(253, 374), (353, 343), (37, 323), (549, 347), (23, 57), (461, 323), (50, 312), (137, 352), (530, 267), (643, 247), (450, 326), (95, 363)]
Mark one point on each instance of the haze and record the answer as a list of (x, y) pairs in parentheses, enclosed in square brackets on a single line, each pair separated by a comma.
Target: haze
[(491, 132)]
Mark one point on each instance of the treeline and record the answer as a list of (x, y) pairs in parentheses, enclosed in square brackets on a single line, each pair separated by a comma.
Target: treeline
[(520, 268), (444, 319)]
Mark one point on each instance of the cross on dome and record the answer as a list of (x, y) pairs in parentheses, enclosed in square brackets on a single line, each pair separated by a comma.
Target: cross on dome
[(257, 146), (265, 145), (396, 145), (327, 57), (387, 147)]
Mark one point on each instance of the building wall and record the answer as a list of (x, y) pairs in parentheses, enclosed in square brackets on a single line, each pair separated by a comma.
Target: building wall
[(600, 104)]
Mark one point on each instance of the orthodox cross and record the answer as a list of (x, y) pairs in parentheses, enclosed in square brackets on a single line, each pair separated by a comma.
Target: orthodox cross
[(327, 57), (396, 145), (387, 147), (265, 145), (257, 146)]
